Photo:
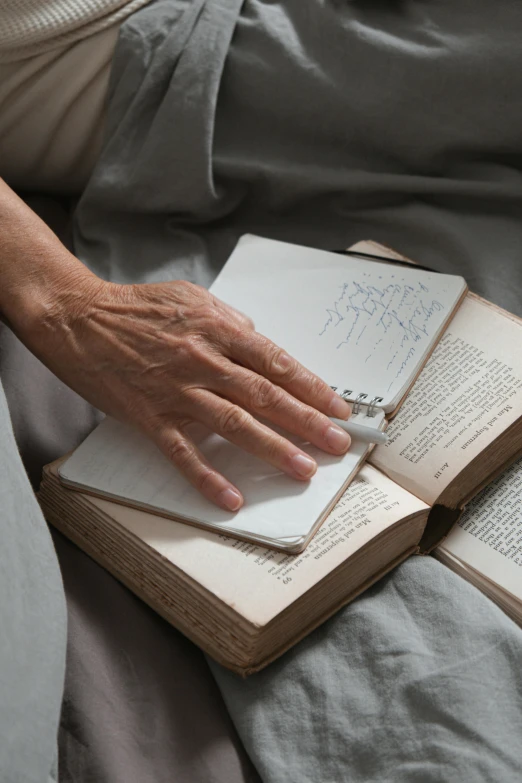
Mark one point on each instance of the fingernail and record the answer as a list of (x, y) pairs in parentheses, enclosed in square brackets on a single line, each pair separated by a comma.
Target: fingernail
[(304, 466), (230, 499), (337, 439), (339, 408)]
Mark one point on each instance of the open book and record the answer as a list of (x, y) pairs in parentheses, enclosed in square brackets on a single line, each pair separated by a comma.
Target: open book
[(460, 426), (365, 327), (485, 547)]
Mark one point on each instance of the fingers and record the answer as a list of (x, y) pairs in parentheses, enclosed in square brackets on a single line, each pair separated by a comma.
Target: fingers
[(260, 354), (241, 428), (263, 398), (189, 460)]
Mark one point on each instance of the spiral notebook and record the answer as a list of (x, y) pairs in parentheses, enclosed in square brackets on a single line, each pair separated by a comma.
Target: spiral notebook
[(365, 327)]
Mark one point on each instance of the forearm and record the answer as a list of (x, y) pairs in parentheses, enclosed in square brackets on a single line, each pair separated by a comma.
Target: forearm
[(38, 275)]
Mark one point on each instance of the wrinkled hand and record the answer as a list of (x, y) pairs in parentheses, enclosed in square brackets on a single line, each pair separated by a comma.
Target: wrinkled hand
[(162, 356)]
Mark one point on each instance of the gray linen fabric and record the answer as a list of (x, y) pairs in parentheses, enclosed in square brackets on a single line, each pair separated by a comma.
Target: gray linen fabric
[(417, 680), (325, 122), (140, 702), (315, 121), (32, 625)]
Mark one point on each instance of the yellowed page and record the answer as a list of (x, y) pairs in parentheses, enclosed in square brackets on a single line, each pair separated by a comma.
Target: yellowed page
[(258, 582), (469, 392), (488, 536)]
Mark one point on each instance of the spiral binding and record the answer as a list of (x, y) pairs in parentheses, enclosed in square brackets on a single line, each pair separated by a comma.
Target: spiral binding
[(359, 400)]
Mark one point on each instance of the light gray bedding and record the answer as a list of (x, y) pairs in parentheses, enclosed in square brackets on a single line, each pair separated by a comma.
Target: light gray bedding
[(417, 681), (140, 703), (325, 122)]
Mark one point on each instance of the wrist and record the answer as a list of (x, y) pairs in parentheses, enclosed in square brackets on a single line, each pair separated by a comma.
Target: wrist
[(46, 294), (40, 280)]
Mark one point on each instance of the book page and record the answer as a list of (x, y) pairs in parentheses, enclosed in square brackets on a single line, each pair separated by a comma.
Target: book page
[(258, 582), (358, 324), (488, 536), (469, 392)]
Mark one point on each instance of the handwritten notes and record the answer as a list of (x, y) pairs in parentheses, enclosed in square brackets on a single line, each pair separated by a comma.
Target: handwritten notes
[(396, 314), (360, 325)]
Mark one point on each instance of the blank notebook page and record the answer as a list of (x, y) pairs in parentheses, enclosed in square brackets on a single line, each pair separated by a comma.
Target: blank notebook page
[(117, 461), (358, 324)]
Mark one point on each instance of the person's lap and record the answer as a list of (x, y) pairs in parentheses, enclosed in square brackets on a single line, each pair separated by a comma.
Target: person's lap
[(32, 623), (139, 701), (417, 680)]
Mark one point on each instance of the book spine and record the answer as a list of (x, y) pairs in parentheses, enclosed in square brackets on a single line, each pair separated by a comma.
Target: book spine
[(440, 521)]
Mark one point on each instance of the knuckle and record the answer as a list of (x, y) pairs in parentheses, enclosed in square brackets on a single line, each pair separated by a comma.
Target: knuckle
[(234, 421), (206, 481), (311, 419), (190, 351), (316, 386), (218, 315), (185, 286), (212, 324), (179, 452), (208, 313), (223, 327), (275, 449), (263, 395), (242, 321), (234, 333), (277, 367), (183, 424), (187, 294)]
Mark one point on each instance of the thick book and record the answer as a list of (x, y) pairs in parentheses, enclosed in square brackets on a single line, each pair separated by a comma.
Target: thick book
[(459, 428), (367, 327)]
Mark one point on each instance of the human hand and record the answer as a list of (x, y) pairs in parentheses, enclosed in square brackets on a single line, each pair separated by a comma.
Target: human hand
[(162, 356)]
